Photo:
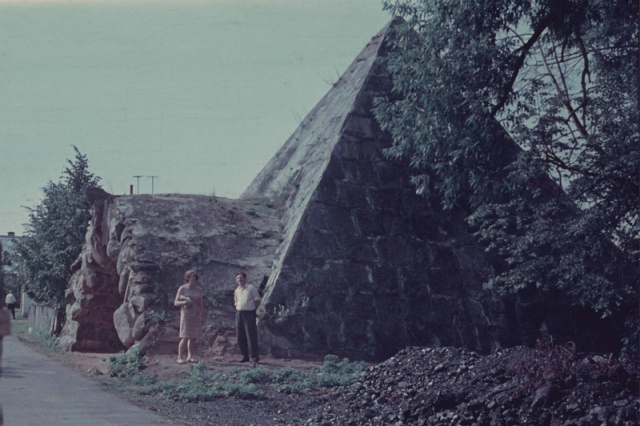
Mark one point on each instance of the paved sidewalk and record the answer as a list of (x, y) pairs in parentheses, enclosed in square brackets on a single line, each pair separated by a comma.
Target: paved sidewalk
[(36, 390)]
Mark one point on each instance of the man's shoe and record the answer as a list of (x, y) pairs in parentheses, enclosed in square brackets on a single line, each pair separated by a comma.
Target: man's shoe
[(244, 360)]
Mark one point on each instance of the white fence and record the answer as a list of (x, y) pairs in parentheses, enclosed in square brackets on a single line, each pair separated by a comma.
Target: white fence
[(43, 319)]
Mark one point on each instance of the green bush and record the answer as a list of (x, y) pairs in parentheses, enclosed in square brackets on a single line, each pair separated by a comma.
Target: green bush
[(129, 368), (332, 373), (203, 386), (46, 340)]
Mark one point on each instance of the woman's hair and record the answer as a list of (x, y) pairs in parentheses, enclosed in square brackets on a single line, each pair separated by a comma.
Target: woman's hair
[(241, 273), (189, 273)]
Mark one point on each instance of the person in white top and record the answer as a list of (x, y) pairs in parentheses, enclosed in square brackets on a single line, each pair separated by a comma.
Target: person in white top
[(246, 299), (11, 303)]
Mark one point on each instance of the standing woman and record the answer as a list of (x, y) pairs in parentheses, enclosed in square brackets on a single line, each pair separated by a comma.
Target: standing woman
[(189, 299)]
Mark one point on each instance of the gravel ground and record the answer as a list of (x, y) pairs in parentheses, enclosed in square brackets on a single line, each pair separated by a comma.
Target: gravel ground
[(448, 386), (518, 386), (549, 385)]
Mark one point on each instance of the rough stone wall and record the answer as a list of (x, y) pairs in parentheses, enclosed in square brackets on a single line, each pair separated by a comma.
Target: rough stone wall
[(365, 280), (92, 294), (138, 248)]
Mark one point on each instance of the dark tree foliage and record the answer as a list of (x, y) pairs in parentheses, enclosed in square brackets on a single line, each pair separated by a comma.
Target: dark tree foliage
[(54, 235), (561, 79)]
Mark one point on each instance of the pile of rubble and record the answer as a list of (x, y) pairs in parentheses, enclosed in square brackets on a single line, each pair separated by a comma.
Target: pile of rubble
[(549, 385)]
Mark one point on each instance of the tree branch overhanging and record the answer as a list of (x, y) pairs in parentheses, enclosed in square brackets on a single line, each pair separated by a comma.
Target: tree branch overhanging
[(524, 51)]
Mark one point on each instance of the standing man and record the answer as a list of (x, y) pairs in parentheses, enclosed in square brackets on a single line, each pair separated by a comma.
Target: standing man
[(247, 300), (11, 303)]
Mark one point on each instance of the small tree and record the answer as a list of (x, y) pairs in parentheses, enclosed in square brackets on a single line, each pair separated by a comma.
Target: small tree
[(54, 235)]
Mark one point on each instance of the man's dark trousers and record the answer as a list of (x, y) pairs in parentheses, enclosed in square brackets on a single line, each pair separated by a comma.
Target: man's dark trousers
[(12, 308), (247, 334)]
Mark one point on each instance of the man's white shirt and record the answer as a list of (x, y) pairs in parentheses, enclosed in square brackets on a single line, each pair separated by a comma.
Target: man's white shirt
[(246, 298)]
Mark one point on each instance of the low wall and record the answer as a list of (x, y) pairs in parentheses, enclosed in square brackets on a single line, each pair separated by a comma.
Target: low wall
[(42, 319)]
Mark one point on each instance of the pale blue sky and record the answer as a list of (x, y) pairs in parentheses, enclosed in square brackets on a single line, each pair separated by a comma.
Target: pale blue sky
[(198, 93)]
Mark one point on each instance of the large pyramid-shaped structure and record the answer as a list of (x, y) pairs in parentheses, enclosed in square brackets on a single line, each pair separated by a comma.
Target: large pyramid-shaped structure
[(366, 266)]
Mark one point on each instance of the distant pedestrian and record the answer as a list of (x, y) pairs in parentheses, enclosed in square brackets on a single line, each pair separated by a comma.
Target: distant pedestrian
[(5, 330), (246, 300), (11, 303), (189, 299)]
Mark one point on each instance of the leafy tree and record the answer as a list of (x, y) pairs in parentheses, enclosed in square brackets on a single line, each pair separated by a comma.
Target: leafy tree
[(54, 235), (561, 79)]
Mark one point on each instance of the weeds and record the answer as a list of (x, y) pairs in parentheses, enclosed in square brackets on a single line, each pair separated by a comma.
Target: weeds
[(242, 383), (49, 341), (43, 339), (338, 373), (129, 368), (548, 363), (203, 386), (552, 362), (332, 373), (282, 313)]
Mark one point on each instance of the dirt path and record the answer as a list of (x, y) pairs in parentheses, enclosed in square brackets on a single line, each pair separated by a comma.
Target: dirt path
[(274, 409), (37, 389)]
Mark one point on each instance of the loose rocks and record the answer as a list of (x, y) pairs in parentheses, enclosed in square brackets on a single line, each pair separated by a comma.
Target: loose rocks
[(425, 386)]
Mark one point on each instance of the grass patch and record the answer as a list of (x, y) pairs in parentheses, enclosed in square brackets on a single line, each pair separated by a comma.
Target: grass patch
[(46, 340), (42, 339), (204, 386), (243, 383), (19, 328)]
